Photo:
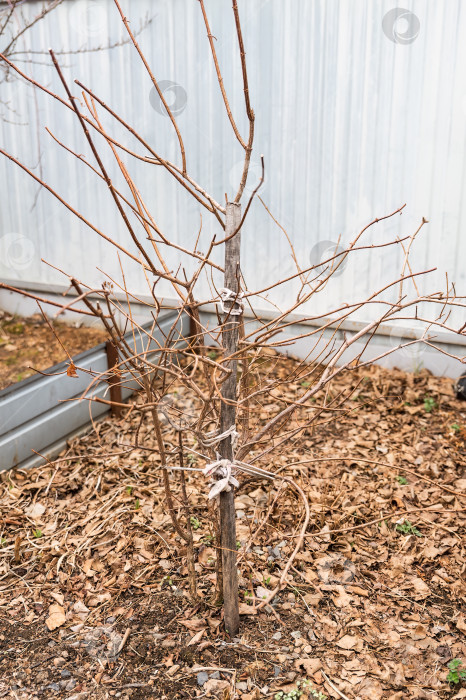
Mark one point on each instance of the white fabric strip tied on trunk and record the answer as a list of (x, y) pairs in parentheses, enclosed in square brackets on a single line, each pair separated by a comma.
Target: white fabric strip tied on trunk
[(224, 469), (236, 299), (221, 470), (214, 438)]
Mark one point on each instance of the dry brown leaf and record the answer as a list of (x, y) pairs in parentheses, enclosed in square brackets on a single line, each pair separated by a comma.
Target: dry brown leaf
[(245, 609), (95, 600), (35, 511), (419, 632), (310, 666), (194, 625), (80, 609), (370, 689), (206, 556), (56, 617), (350, 641), (118, 611), (215, 686), (59, 597), (430, 552), (173, 669), (341, 597), (357, 590), (421, 589), (196, 638)]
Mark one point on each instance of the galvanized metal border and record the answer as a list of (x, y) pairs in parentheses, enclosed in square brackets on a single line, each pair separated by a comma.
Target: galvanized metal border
[(42, 412)]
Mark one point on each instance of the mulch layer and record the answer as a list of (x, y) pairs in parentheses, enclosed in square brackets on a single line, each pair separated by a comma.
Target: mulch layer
[(94, 596)]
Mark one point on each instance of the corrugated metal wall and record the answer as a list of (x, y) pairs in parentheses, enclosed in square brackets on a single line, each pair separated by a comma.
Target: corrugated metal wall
[(354, 118)]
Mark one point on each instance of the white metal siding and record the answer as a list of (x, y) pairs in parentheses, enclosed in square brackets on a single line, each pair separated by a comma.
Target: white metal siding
[(351, 125)]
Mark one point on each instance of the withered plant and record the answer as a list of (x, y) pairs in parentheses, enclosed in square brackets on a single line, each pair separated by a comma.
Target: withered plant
[(200, 386)]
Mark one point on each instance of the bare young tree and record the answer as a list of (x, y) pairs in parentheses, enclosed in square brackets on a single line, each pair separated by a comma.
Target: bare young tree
[(211, 404)]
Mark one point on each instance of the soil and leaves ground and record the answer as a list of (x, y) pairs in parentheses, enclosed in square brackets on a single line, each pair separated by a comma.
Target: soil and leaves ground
[(28, 343), (94, 600)]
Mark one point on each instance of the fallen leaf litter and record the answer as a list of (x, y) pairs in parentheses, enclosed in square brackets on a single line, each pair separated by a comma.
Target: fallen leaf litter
[(93, 578)]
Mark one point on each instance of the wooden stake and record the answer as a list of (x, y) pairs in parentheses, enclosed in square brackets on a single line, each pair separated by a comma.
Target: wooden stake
[(230, 333)]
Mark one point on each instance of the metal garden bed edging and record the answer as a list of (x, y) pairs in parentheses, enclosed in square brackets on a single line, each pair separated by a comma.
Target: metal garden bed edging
[(36, 413)]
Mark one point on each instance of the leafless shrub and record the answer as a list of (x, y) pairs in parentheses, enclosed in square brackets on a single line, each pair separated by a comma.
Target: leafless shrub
[(213, 404)]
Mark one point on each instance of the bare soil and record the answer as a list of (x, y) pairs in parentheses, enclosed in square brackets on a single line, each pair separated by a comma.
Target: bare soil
[(93, 579)]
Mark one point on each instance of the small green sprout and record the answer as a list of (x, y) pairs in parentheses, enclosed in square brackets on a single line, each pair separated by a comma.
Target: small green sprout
[(292, 694), (456, 673), (2, 541), (192, 459), (305, 384), (408, 528), (129, 490), (37, 533), (212, 354), (238, 544), (429, 404), (267, 580), (401, 480), (195, 523), (137, 504), (456, 427)]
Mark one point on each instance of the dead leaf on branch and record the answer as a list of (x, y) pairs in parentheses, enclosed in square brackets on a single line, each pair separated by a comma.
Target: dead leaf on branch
[(71, 370)]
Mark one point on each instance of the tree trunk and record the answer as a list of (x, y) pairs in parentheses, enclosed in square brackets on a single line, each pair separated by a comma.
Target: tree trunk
[(230, 333)]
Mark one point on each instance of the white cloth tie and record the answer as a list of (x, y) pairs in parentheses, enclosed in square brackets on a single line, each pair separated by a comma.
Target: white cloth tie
[(236, 299), (222, 469)]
